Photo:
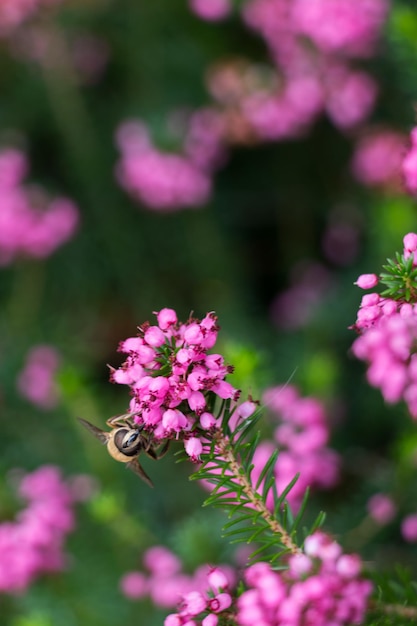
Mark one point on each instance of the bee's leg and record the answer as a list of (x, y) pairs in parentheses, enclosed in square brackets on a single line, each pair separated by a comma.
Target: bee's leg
[(158, 455), (120, 420)]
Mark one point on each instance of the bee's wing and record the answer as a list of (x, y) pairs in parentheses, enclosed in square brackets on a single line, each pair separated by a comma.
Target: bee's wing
[(136, 467), (102, 435)]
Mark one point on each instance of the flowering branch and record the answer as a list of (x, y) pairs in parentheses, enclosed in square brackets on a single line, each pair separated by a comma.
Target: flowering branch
[(179, 392)]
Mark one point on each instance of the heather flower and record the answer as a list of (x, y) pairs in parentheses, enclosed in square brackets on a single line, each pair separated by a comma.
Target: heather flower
[(367, 281), (307, 81), (378, 158), (388, 334), (328, 589), (409, 528), (351, 96), (36, 382), (133, 585), (302, 435), (30, 223), (33, 543), (409, 165), (173, 378), (162, 180), (211, 10), (342, 26), (381, 508), (14, 12), (167, 585)]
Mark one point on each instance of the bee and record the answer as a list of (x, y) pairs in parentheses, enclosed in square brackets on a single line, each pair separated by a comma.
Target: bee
[(125, 441)]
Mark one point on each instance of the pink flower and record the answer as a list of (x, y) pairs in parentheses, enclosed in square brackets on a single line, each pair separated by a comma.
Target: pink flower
[(33, 543), (166, 318), (173, 420), (409, 165), (409, 528), (341, 25), (14, 12), (332, 592), (381, 508), (36, 382), (154, 336), (210, 620), (410, 244), (161, 561), (211, 10), (193, 448), (220, 602), (378, 158), (30, 223), (133, 585), (162, 181), (388, 335), (351, 96), (367, 281)]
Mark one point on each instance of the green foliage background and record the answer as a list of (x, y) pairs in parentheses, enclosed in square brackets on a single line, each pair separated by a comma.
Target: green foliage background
[(269, 209)]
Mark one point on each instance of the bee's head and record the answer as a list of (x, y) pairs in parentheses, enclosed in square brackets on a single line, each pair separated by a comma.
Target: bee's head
[(128, 441), (124, 443)]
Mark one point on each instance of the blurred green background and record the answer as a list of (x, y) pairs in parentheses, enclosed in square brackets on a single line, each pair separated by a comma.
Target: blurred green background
[(270, 208)]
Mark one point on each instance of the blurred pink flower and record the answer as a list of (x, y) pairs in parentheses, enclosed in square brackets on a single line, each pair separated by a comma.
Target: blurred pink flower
[(30, 223), (409, 165), (211, 10), (165, 582), (322, 585), (161, 180), (409, 528), (342, 26), (14, 12), (351, 95), (378, 157), (381, 508), (33, 543), (36, 382)]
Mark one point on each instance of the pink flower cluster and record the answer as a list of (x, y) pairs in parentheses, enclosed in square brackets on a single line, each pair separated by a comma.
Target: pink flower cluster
[(36, 382), (165, 583), (204, 606), (409, 166), (30, 223), (341, 26), (302, 437), (14, 12), (321, 586), (387, 340), (261, 103), (171, 375), (282, 101), (32, 544), (165, 180)]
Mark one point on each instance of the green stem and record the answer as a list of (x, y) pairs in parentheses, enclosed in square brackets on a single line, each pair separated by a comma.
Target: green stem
[(26, 296), (226, 451)]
